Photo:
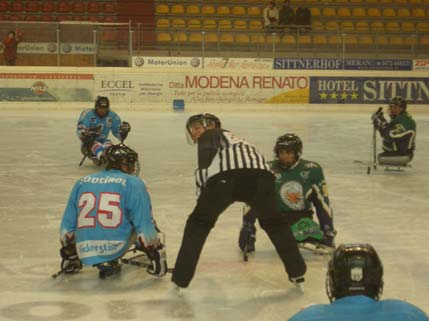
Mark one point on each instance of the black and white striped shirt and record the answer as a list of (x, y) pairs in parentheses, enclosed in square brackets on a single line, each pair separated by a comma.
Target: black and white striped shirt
[(220, 150)]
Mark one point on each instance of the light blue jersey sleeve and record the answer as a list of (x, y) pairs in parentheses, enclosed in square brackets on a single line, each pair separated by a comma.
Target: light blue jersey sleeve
[(140, 212), (83, 122), (69, 222), (116, 123)]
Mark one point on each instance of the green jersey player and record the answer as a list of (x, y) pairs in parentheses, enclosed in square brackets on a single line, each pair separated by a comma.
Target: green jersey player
[(300, 190)]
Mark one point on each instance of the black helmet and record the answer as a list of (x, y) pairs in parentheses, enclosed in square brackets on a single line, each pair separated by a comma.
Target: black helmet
[(354, 269), (102, 101), (117, 155), (288, 142), (399, 101), (205, 119)]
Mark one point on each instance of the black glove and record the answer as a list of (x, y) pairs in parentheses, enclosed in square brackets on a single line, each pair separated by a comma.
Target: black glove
[(124, 129), (70, 263), (158, 259), (378, 119), (90, 134)]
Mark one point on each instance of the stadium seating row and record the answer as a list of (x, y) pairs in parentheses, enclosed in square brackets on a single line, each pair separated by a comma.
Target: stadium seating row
[(62, 7), (305, 40), (252, 11), (237, 24), (308, 2)]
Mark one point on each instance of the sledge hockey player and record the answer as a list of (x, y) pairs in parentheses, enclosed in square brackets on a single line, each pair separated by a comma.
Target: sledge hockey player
[(229, 170), (94, 126), (299, 185), (398, 135), (354, 286), (106, 213)]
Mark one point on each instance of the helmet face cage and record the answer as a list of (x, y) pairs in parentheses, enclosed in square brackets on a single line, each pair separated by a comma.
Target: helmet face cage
[(288, 142), (102, 102), (399, 101), (118, 155), (354, 269), (204, 119)]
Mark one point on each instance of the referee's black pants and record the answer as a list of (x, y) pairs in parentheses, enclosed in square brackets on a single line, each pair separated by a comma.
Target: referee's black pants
[(254, 187)]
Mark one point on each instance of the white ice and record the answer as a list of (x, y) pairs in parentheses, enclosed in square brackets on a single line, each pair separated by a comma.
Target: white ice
[(39, 156)]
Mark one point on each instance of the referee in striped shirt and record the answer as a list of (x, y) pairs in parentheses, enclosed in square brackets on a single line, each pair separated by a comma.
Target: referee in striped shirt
[(229, 170)]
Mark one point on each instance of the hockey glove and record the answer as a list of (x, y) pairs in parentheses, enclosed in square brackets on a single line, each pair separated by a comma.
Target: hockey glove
[(378, 120), (70, 263), (124, 129), (158, 259)]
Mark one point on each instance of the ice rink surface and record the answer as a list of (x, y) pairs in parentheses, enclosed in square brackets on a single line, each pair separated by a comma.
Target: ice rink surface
[(39, 165)]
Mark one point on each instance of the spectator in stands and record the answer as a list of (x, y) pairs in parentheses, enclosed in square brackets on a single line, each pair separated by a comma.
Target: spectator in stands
[(303, 17), (286, 14), (10, 47), (271, 17)]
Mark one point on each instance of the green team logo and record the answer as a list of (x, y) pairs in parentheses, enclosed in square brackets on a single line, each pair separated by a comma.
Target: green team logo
[(292, 195)]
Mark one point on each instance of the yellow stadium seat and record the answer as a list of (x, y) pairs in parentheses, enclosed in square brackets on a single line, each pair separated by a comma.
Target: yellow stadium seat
[(180, 37), (351, 40), (415, 1), (424, 40), (225, 24), (386, 1), (304, 40), (254, 11), (226, 38), (209, 24), (407, 26), (329, 12), (334, 40), (192, 9), (271, 38), (211, 37), (371, 1), (222, 10), (255, 25), (377, 26), (418, 12), (347, 26), (341, 1), (388, 12), (362, 26), (195, 37), (162, 23), (422, 26), (410, 41), (161, 9), (317, 26), (381, 40), (194, 24), (356, 1), (242, 38), (289, 40), (320, 40), (163, 37), (177, 9), (331, 25), (315, 12), (426, 1), (404, 13), (178, 23), (344, 12), (373, 12), (257, 39), (365, 40), (327, 1), (208, 10), (401, 1), (238, 11), (392, 26), (240, 24), (358, 12), (396, 41)]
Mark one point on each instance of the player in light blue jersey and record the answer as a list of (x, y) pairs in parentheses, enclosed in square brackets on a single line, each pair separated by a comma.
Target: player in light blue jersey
[(354, 284), (94, 126), (106, 213)]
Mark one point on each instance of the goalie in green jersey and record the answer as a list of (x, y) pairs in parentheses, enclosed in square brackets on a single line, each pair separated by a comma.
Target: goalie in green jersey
[(300, 190)]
